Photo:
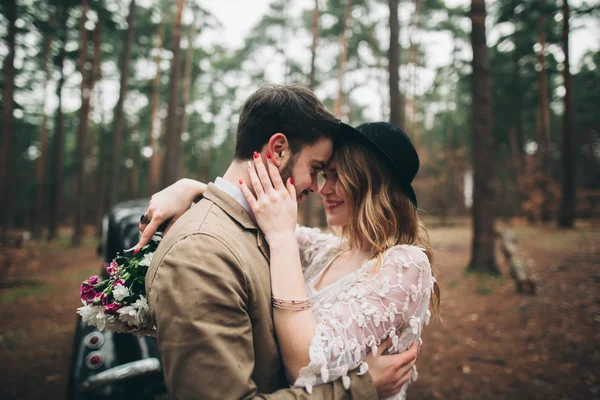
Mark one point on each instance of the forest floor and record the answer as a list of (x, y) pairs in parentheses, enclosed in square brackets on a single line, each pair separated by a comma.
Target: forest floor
[(492, 343)]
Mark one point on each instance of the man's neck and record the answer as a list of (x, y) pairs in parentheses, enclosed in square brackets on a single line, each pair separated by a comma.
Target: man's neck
[(237, 170)]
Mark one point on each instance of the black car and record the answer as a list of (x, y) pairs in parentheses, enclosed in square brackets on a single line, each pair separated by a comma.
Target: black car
[(114, 365)]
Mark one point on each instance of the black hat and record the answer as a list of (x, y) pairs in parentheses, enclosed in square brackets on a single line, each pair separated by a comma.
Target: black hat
[(400, 156)]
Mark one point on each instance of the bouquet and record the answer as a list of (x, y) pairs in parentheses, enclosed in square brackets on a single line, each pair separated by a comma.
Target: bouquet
[(119, 303)]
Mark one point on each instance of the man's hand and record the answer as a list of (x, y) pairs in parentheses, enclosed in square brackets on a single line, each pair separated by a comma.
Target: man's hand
[(168, 205), (390, 372)]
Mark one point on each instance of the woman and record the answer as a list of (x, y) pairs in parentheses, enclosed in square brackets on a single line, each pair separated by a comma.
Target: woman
[(336, 298)]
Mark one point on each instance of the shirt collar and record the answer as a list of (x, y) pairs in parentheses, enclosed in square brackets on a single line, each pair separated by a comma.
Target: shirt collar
[(234, 192)]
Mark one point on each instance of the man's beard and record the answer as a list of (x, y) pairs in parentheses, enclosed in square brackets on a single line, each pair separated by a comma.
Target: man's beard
[(286, 173)]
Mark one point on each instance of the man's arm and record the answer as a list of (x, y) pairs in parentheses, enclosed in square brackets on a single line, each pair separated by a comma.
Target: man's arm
[(199, 297)]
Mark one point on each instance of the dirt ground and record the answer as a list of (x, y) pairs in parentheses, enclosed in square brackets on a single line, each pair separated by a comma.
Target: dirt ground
[(492, 343)]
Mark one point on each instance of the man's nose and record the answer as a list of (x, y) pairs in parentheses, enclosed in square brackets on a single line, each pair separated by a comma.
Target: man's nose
[(314, 186)]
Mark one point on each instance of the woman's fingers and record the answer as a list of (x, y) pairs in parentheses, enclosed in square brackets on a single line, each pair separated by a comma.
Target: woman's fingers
[(291, 189), (262, 173), (386, 344), (248, 195), (254, 180), (149, 231), (275, 175)]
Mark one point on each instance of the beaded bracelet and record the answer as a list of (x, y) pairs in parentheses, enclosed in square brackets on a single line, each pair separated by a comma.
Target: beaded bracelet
[(295, 305)]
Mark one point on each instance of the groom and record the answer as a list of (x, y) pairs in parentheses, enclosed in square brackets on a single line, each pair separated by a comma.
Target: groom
[(209, 286)]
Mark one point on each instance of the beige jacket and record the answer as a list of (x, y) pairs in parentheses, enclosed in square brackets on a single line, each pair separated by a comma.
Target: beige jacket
[(210, 293)]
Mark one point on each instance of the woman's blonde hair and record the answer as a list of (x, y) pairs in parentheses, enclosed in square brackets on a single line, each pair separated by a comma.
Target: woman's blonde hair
[(382, 215)]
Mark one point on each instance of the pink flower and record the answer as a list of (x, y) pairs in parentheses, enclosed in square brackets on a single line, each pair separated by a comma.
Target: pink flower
[(87, 292), (112, 308), (119, 282), (103, 299), (112, 268), (92, 281)]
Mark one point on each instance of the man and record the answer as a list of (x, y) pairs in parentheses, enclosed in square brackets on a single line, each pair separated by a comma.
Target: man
[(209, 286)]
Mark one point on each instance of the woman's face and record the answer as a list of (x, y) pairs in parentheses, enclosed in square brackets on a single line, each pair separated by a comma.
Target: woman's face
[(337, 206)]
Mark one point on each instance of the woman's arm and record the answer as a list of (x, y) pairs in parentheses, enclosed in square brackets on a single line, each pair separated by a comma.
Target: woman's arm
[(169, 204), (275, 208)]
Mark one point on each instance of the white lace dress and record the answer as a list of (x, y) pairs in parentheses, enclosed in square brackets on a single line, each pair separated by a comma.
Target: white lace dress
[(359, 311)]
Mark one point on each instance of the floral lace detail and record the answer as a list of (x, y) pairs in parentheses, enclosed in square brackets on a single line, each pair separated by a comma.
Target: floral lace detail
[(356, 313)]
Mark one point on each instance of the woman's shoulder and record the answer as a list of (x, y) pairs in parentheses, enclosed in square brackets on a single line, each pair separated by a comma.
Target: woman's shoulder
[(406, 255)]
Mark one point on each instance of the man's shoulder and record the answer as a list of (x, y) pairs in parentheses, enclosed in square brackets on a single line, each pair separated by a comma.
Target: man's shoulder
[(205, 218)]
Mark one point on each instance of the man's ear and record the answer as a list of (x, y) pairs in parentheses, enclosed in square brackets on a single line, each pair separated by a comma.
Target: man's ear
[(279, 147)]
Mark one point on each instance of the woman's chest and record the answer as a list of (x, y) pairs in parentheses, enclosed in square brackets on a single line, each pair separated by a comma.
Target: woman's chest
[(339, 267)]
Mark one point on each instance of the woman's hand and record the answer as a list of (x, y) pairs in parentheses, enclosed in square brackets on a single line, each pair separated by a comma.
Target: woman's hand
[(391, 372), (168, 205), (274, 203)]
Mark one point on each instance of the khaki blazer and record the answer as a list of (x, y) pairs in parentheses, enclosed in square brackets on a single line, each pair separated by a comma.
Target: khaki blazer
[(209, 290)]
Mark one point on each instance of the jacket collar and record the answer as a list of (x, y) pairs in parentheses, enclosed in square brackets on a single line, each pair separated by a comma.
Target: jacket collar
[(237, 212)]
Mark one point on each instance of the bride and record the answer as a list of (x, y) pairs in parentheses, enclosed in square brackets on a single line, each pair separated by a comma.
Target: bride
[(338, 298)]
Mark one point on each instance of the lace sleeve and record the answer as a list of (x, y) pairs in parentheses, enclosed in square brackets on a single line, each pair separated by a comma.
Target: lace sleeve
[(312, 243), (390, 303)]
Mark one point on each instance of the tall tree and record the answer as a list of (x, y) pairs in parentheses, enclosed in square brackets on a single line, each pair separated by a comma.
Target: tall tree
[(172, 160), (40, 173), (396, 107), (119, 122), (337, 109), (82, 131), (154, 175), (8, 120), (482, 253), (567, 209), (57, 148)]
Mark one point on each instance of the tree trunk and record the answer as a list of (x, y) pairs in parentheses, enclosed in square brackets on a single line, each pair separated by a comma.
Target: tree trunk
[(412, 60), (57, 150), (337, 109), (95, 209), (6, 170), (568, 207), (172, 160), (396, 108), (482, 252), (544, 125), (154, 175), (40, 172), (76, 240), (115, 164), (312, 80), (543, 129)]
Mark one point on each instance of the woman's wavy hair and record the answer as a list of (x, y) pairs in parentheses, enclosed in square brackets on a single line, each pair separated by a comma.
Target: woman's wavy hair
[(382, 214)]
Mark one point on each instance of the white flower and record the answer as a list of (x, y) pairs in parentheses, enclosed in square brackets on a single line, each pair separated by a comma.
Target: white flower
[(128, 314), (145, 262), (156, 238), (120, 292), (143, 311), (324, 373), (93, 315)]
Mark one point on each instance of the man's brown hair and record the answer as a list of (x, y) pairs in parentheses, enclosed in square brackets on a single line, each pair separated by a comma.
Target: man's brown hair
[(289, 109)]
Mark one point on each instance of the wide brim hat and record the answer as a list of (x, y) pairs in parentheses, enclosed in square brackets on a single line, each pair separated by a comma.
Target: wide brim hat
[(393, 144)]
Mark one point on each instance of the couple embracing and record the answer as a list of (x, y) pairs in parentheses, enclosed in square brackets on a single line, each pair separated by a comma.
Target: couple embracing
[(249, 305)]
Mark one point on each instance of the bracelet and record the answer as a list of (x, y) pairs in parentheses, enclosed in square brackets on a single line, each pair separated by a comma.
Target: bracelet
[(295, 305)]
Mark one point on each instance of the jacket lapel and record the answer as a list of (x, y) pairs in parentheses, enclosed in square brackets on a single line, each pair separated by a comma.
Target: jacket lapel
[(239, 214), (263, 245)]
